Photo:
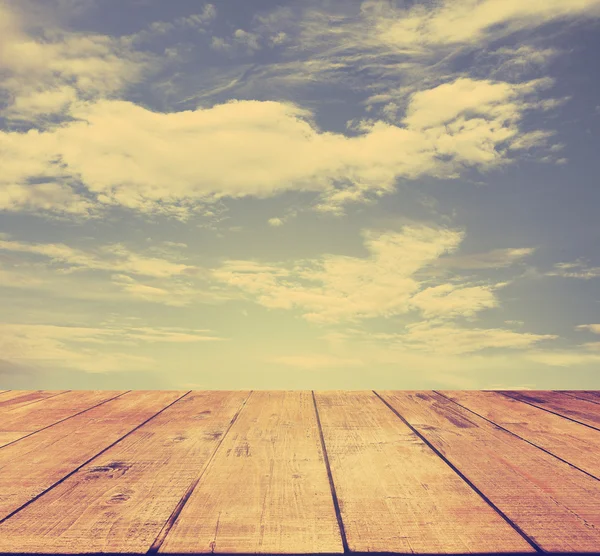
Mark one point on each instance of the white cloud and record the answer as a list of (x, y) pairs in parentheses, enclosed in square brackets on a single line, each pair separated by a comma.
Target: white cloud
[(467, 22), (84, 348), (339, 288), (448, 300), (443, 338), (449, 339), (35, 103), (496, 258), (249, 40), (110, 272), (172, 162), (578, 269), (198, 21), (595, 328), (412, 44), (114, 258), (44, 75), (515, 63)]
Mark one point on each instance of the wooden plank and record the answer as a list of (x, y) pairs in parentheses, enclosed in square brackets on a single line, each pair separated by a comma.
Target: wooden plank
[(120, 501), (8, 437), (553, 503), (580, 410), (43, 413), (35, 463), (395, 494), (20, 398), (589, 395), (267, 488), (565, 439)]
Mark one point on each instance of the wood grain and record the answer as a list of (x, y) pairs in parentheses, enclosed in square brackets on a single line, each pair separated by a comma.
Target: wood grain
[(8, 437), (395, 493), (589, 395), (553, 503), (580, 410), (566, 439), (266, 490), (33, 464), (19, 421), (120, 500), (218, 471), (20, 398)]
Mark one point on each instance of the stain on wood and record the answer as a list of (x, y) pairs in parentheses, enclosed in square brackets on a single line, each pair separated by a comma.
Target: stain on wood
[(551, 502), (299, 472)]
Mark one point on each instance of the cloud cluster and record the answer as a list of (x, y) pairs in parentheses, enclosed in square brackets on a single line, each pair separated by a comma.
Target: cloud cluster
[(85, 348), (336, 288), (170, 163), (177, 163), (45, 75)]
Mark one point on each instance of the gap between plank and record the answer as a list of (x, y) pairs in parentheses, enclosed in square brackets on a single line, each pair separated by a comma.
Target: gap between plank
[(41, 399), (336, 504), (89, 460), (520, 437), (550, 411), (577, 397), (463, 477), (162, 535), (69, 417)]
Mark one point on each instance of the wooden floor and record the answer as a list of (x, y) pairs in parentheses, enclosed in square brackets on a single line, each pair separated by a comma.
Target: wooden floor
[(299, 472)]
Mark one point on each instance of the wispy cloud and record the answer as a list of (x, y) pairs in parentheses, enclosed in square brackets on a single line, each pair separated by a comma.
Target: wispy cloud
[(577, 269), (110, 272), (494, 259), (348, 289), (83, 348), (466, 22)]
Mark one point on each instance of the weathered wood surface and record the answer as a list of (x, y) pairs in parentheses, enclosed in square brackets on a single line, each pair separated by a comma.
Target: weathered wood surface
[(30, 466), (120, 501), (579, 410), (21, 398), (395, 493), (561, 437), (554, 504), (590, 395), (20, 420), (266, 490), (299, 472)]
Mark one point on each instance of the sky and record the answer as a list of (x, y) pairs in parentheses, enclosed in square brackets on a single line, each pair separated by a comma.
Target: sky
[(274, 194)]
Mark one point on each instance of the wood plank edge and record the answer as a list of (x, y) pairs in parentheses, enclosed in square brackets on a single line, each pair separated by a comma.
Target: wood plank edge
[(301, 553), (166, 528), (65, 419), (518, 398), (522, 533), (518, 436), (336, 503), (573, 394), (61, 480)]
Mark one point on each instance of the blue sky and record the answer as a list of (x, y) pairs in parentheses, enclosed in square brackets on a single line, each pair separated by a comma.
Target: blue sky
[(278, 194)]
